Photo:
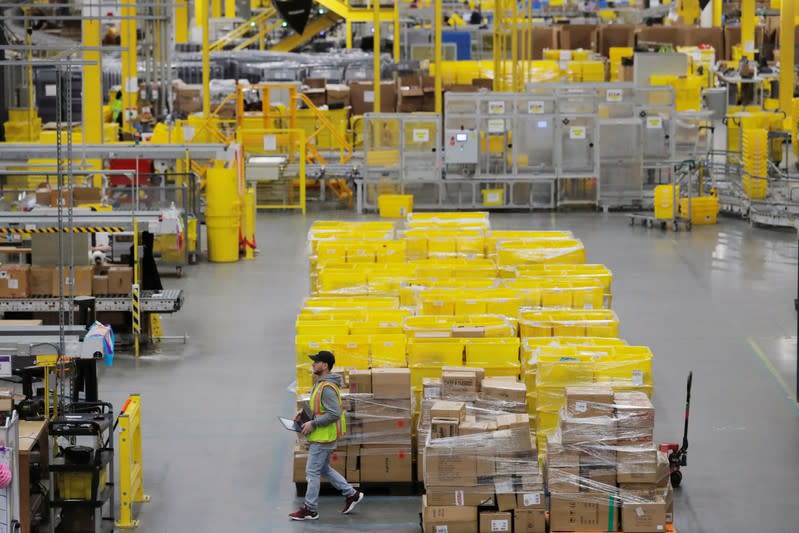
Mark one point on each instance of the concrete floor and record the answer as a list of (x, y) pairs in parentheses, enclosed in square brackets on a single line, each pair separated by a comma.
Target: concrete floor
[(718, 301)]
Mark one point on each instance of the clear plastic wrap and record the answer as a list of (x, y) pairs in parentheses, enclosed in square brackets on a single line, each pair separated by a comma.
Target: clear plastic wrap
[(429, 326), (568, 323), (557, 292), (444, 243), (457, 267), (449, 219), (518, 253), (493, 237), (601, 456)]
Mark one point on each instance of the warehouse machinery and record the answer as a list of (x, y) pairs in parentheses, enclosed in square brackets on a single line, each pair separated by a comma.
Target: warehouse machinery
[(678, 454)]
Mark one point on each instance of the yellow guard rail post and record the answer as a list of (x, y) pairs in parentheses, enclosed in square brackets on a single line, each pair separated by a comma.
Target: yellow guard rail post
[(131, 483)]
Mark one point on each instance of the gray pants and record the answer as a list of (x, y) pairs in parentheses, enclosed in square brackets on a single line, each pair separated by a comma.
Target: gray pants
[(319, 465)]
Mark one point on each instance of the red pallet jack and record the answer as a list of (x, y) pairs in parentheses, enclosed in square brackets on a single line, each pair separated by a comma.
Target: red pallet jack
[(678, 455)]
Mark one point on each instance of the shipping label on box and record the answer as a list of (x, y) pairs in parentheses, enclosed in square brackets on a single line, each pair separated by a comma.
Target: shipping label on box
[(531, 500), (491, 522), (588, 402), (644, 517)]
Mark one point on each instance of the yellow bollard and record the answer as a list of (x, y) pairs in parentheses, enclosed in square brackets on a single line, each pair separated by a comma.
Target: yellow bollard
[(223, 215), (249, 223), (131, 482)]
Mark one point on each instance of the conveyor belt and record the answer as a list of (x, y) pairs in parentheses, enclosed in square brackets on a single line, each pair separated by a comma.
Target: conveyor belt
[(167, 301)]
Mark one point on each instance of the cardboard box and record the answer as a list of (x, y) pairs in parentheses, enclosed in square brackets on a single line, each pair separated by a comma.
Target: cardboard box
[(410, 98), (42, 281), (636, 473), (597, 456), (564, 479), (531, 500), (597, 476), (338, 460), (447, 465), (459, 385), (15, 281), (493, 389), (588, 402), (442, 428), (429, 92), (514, 421), (588, 431), (642, 517), (120, 280), (366, 406), (448, 409), (337, 95), (615, 35), (391, 383), (99, 285), (353, 463), (82, 277), (579, 36), (362, 97), (188, 98), (457, 519), (505, 501), (529, 521), (474, 427), (386, 463), (513, 441), (484, 83), (318, 97), (360, 381), (386, 430), (496, 521), (467, 496), (576, 512), (634, 410)]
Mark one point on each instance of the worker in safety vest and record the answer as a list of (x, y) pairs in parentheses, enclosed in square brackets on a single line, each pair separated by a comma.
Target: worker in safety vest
[(116, 112), (325, 427)]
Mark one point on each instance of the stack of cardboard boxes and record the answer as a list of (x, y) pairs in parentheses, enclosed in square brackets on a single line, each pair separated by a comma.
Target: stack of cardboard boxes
[(480, 469), (24, 281), (602, 460), (377, 447)]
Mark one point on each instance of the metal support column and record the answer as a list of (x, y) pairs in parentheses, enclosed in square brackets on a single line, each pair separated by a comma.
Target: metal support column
[(182, 21), (748, 28), (230, 9), (396, 37), (787, 53), (216, 8), (348, 31), (92, 83), (203, 6), (376, 53), (130, 79), (438, 20)]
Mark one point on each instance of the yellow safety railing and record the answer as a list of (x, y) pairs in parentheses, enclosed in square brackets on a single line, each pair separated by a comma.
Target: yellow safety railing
[(288, 142), (257, 21), (345, 148), (131, 483)]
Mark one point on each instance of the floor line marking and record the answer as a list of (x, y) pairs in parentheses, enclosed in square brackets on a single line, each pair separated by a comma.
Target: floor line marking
[(773, 371)]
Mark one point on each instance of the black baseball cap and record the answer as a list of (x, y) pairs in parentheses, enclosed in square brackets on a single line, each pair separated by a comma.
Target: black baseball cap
[(324, 357)]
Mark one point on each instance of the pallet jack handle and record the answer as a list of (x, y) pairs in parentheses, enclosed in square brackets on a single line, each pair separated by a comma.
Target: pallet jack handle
[(684, 448)]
